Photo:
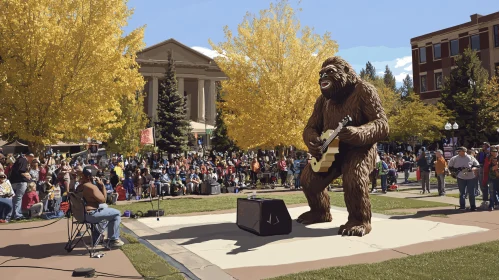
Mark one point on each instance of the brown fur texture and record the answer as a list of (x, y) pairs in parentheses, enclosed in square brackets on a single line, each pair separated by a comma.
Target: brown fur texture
[(349, 95)]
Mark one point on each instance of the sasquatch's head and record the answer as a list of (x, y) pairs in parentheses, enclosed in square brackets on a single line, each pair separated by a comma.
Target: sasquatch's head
[(337, 79)]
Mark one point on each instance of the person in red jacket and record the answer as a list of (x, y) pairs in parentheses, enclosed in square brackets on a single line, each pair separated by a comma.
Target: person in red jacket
[(31, 205)]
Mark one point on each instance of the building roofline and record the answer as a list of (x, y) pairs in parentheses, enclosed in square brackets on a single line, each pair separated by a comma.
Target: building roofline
[(479, 19), (171, 40)]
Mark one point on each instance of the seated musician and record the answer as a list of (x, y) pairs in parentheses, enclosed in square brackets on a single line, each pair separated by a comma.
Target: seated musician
[(94, 193)]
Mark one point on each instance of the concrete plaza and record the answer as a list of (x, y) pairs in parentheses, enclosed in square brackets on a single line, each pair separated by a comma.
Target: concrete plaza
[(213, 247)]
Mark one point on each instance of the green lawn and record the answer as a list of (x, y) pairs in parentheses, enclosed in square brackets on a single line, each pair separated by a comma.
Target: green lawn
[(448, 180), (471, 262), (146, 262), (223, 202)]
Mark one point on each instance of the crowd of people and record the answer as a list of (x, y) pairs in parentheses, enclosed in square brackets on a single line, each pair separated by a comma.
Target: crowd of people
[(31, 186), (476, 172)]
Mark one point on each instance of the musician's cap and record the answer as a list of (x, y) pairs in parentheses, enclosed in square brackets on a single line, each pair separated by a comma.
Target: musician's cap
[(462, 149), (486, 144), (493, 149), (88, 172)]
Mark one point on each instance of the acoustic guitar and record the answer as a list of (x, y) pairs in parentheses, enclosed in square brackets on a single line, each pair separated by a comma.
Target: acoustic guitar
[(329, 148)]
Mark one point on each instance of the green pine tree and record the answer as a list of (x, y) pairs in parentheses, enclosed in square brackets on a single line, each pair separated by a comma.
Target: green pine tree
[(369, 72), (463, 93), (221, 141), (172, 126), (363, 73), (389, 79), (407, 87)]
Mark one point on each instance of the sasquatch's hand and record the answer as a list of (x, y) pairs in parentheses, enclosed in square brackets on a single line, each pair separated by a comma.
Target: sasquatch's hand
[(314, 147)]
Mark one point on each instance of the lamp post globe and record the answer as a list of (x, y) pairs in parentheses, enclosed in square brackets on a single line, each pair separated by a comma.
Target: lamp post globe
[(448, 126), (455, 126)]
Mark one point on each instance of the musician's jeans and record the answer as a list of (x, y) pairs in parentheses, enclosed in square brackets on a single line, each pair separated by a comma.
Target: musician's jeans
[(466, 186), (383, 182), (406, 175), (104, 213)]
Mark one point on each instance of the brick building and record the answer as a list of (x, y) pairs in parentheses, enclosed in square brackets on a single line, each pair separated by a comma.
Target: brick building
[(433, 53)]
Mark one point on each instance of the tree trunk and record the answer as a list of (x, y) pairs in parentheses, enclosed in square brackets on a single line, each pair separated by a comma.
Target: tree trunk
[(37, 149)]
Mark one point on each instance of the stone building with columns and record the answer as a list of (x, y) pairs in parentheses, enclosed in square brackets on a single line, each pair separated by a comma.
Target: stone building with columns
[(196, 75)]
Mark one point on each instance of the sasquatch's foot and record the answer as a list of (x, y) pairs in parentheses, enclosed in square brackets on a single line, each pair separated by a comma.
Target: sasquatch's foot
[(310, 217), (355, 229)]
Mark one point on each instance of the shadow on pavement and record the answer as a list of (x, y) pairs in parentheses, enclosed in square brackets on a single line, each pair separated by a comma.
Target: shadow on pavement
[(426, 213), (244, 240), (41, 251)]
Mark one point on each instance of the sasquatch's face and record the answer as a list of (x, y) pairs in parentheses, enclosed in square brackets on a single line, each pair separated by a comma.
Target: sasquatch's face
[(332, 81)]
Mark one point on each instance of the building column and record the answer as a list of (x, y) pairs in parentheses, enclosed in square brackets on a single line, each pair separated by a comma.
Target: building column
[(207, 89), (213, 102), (150, 93), (155, 98), (201, 101), (181, 89)]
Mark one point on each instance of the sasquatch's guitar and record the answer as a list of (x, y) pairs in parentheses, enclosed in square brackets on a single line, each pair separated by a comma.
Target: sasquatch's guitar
[(329, 148)]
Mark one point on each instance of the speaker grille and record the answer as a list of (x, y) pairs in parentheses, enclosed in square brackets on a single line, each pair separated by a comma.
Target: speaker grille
[(248, 214)]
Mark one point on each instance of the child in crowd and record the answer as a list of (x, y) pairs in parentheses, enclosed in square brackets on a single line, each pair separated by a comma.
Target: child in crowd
[(31, 205), (53, 196), (109, 191)]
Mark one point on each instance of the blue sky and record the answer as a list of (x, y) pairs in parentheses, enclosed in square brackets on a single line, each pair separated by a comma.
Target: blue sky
[(366, 30)]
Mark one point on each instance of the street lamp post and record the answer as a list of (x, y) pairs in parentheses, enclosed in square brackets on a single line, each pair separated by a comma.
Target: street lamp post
[(452, 128)]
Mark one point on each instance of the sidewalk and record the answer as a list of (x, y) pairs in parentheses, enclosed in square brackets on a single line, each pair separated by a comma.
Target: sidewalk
[(38, 253), (417, 196)]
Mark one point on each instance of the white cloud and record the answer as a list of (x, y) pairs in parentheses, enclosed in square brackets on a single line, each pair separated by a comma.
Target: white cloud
[(395, 65), (400, 77), (401, 62), (398, 72), (208, 52)]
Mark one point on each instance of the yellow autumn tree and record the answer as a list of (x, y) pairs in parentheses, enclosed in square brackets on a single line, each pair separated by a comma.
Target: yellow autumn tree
[(414, 117), (65, 66), (125, 138), (488, 116), (273, 68), (390, 100)]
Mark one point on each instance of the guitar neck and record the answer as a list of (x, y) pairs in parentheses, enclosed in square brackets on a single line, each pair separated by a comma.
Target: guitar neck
[(333, 135)]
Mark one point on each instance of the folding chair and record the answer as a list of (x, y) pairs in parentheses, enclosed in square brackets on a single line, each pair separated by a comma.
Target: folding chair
[(79, 227)]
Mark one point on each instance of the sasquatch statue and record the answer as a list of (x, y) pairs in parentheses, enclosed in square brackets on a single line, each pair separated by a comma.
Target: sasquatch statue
[(344, 93)]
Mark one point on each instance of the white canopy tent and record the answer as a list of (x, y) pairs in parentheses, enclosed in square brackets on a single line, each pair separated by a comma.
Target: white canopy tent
[(200, 127)]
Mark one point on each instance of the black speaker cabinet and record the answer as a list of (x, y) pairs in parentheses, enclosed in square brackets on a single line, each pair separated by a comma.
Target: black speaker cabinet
[(264, 217), (210, 188)]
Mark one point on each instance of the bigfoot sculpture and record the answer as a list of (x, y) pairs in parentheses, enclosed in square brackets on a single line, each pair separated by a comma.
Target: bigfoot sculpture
[(344, 93)]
